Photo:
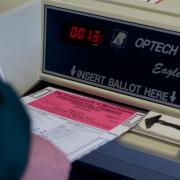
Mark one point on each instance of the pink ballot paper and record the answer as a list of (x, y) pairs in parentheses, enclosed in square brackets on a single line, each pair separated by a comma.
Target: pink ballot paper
[(77, 124)]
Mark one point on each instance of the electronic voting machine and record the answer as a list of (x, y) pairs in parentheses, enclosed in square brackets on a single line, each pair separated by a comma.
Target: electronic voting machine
[(126, 51)]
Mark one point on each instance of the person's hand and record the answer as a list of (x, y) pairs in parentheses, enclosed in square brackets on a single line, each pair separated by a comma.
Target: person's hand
[(46, 162)]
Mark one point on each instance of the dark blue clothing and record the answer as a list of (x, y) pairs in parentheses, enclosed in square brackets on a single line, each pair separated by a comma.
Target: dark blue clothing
[(14, 135)]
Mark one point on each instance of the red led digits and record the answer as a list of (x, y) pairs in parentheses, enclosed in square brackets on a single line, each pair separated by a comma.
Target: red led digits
[(96, 38), (77, 33), (81, 33), (85, 35), (90, 35), (73, 32)]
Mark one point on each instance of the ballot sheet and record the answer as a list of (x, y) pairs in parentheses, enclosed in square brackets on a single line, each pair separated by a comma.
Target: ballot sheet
[(77, 124)]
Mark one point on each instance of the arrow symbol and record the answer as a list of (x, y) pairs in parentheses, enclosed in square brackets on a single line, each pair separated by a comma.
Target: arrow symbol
[(73, 71), (173, 96), (149, 122)]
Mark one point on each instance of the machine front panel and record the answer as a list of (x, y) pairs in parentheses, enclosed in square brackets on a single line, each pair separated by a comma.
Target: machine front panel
[(124, 57)]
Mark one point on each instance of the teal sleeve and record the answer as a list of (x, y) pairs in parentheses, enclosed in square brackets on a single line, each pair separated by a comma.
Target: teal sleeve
[(14, 135)]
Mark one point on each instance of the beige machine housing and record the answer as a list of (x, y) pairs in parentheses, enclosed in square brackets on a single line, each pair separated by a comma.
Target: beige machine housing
[(165, 15)]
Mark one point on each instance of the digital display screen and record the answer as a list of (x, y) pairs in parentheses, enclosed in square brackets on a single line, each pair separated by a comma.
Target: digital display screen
[(81, 35)]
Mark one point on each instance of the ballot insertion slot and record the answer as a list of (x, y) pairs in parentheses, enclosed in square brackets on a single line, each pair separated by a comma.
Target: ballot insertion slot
[(156, 134), (151, 145)]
